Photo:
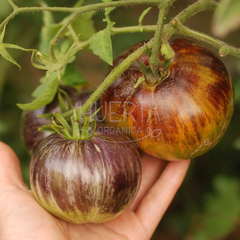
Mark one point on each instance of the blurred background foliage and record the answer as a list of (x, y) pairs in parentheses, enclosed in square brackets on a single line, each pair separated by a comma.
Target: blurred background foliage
[(207, 206)]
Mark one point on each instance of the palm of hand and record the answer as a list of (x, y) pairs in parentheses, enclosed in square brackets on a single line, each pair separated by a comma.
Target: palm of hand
[(25, 219)]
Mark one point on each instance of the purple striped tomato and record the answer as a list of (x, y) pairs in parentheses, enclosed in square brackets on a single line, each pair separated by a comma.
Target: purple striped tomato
[(82, 181), (180, 117)]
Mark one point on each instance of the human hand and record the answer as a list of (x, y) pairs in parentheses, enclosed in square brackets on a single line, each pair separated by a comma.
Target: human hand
[(22, 218)]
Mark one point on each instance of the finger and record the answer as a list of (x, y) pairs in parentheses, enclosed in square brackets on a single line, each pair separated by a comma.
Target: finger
[(151, 170), (157, 200), (10, 170)]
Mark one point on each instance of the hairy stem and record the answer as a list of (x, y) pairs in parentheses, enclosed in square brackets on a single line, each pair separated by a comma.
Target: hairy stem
[(134, 29), (223, 47), (154, 58), (201, 5), (12, 4), (109, 80), (169, 30), (77, 10)]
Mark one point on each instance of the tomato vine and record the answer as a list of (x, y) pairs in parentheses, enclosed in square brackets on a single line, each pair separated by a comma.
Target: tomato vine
[(56, 61)]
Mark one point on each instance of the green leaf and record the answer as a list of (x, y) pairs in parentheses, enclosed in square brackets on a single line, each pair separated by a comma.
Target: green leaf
[(4, 53), (70, 77), (226, 17), (73, 78), (43, 86), (45, 95), (101, 44), (13, 46)]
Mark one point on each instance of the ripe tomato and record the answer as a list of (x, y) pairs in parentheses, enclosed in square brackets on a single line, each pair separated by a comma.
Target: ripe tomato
[(82, 181), (180, 117)]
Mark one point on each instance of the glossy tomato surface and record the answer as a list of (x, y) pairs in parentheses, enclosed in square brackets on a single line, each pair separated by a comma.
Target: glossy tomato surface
[(83, 181), (180, 117)]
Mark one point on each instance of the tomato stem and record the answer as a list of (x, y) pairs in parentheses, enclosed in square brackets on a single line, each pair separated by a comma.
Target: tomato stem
[(224, 48), (13, 5), (168, 31), (78, 10), (157, 41)]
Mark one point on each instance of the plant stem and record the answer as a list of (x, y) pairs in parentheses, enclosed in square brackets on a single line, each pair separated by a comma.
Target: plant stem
[(133, 29), (224, 48), (78, 10), (154, 58), (201, 5), (12, 4), (109, 80), (168, 30)]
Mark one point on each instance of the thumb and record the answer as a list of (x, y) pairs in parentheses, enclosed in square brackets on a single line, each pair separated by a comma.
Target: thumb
[(10, 170)]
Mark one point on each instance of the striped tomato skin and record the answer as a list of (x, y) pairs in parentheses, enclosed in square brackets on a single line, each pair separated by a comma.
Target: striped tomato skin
[(83, 181), (181, 117)]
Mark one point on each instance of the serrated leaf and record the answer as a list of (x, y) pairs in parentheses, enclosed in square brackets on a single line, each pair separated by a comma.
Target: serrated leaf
[(46, 97), (101, 44), (226, 17)]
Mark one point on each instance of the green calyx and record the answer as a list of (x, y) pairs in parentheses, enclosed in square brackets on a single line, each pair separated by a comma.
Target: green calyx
[(75, 130), (78, 127), (161, 70)]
